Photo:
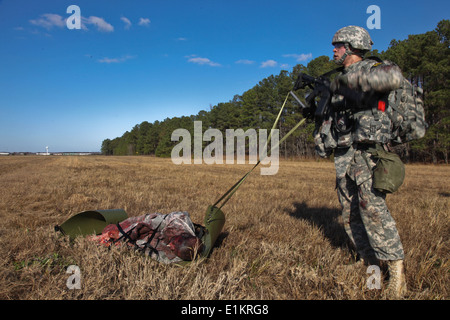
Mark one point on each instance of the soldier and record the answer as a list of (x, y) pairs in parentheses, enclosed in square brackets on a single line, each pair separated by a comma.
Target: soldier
[(357, 128)]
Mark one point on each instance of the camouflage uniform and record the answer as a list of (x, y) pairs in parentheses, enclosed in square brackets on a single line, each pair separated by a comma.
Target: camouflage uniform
[(367, 219)]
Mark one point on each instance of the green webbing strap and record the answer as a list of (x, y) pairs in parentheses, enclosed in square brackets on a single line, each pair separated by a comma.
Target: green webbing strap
[(234, 188)]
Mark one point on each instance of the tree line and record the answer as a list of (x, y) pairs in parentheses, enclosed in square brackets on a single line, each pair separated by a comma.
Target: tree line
[(423, 58)]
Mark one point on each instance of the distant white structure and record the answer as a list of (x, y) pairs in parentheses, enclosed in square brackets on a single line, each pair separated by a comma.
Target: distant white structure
[(46, 153)]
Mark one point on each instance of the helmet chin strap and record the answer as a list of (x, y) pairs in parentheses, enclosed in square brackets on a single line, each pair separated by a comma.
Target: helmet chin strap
[(347, 53)]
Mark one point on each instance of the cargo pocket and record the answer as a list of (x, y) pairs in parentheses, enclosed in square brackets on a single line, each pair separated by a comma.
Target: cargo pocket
[(362, 174), (359, 171)]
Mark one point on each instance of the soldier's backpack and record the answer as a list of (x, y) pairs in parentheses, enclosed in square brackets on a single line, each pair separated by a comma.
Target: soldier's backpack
[(405, 109), (406, 113)]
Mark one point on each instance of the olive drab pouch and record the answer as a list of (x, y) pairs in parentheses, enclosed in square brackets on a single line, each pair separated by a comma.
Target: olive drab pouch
[(389, 172)]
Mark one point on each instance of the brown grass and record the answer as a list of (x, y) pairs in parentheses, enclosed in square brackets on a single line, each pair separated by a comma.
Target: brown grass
[(283, 238)]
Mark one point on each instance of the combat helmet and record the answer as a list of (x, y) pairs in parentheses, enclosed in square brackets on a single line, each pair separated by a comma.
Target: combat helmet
[(353, 37)]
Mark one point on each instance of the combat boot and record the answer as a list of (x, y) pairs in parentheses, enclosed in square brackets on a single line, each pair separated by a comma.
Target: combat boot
[(396, 288)]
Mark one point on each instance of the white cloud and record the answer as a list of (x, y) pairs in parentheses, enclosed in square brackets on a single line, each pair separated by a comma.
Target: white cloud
[(269, 63), (182, 39), (144, 22), (245, 61), (126, 21), (116, 60), (299, 57), (49, 20), (202, 61), (100, 23)]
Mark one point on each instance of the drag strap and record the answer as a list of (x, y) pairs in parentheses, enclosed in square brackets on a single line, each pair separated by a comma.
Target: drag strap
[(234, 188)]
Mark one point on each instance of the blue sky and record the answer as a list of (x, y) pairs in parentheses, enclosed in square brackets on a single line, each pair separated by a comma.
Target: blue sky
[(135, 61)]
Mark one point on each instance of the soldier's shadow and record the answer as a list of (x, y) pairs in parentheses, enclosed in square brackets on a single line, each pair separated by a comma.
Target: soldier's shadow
[(325, 219)]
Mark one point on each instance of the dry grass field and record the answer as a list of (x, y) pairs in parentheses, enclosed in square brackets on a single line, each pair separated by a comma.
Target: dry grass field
[(283, 238)]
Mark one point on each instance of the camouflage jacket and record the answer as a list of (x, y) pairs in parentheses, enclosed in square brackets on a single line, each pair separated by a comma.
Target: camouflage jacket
[(369, 79)]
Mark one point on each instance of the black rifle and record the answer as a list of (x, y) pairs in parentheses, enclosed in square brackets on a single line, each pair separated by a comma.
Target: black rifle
[(320, 89)]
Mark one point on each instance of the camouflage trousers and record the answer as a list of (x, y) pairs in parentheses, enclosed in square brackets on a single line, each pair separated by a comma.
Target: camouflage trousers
[(366, 217)]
